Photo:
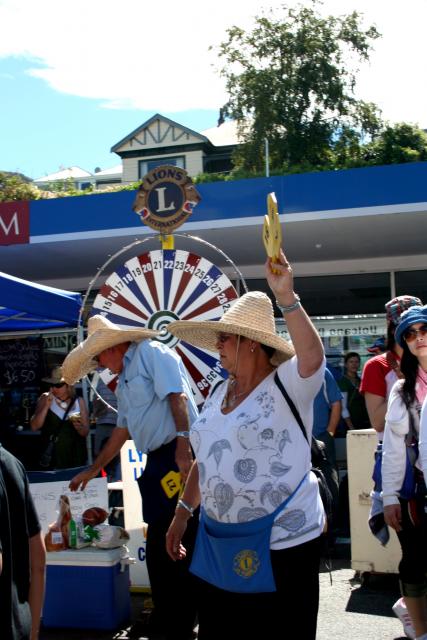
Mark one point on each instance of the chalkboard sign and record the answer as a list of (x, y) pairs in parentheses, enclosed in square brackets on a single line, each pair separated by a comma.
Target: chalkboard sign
[(21, 370), (20, 362)]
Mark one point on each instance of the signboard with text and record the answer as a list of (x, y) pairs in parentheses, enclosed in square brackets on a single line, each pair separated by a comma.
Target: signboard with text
[(14, 223)]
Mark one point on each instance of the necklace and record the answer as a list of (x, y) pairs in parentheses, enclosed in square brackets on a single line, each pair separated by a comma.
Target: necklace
[(61, 403), (231, 397), (230, 400)]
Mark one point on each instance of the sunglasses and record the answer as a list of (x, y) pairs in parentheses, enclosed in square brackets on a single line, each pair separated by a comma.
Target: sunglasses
[(411, 334), (58, 385), (223, 337)]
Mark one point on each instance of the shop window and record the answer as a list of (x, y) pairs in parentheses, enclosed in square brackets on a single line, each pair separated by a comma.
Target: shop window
[(144, 166)]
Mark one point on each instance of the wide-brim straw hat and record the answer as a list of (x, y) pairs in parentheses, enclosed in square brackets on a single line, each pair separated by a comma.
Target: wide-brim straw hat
[(55, 376), (250, 316), (102, 334)]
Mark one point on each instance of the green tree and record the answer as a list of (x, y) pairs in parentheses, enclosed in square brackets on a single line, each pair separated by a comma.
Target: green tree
[(13, 187), (291, 80), (401, 142)]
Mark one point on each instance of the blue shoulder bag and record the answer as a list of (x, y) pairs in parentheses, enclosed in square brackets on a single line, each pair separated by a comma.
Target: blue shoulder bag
[(236, 557), (408, 488)]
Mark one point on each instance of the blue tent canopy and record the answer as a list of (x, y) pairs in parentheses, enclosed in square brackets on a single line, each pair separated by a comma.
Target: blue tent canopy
[(26, 306)]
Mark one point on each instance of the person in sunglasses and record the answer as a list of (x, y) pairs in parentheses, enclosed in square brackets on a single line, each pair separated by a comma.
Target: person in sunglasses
[(404, 503), (63, 419)]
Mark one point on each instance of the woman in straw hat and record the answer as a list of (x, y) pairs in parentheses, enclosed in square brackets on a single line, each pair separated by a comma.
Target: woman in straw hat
[(64, 423), (253, 462)]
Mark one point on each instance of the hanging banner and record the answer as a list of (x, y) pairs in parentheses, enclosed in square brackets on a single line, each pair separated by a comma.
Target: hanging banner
[(342, 327)]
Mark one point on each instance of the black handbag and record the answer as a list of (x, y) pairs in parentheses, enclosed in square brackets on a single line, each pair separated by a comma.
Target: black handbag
[(45, 461), (320, 464)]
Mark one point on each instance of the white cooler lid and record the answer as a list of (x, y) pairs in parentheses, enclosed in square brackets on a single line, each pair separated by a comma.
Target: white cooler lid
[(88, 556)]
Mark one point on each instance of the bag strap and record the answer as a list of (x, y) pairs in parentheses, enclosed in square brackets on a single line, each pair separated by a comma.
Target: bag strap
[(292, 406), (289, 498), (67, 410)]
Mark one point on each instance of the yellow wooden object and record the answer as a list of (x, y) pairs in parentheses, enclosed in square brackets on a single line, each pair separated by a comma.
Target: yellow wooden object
[(272, 230), (171, 483), (168, 242)]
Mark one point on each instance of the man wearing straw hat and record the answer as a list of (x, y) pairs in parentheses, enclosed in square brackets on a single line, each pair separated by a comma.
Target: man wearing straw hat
[(155, 408)]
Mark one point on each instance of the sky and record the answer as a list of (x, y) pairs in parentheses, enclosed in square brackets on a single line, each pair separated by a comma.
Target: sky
[(75, 78)]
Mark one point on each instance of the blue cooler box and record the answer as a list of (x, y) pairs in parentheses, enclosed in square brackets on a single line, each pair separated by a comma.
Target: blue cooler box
[(87, 588)]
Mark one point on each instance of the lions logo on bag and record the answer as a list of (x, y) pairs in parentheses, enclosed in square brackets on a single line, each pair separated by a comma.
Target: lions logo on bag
[(246, 563)]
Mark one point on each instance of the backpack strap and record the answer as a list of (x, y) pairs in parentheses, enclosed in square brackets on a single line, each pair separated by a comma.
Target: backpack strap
[(292, 406)]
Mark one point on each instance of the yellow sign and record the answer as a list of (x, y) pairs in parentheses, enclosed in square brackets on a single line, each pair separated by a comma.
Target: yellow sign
[(171, 483), (272, 230)]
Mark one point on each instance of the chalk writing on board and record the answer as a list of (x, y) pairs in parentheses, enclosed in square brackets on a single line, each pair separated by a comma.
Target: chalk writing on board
[(20, 362)]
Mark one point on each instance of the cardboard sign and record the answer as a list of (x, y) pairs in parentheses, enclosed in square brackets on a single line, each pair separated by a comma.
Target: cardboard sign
[(46, 498), (133, 463)]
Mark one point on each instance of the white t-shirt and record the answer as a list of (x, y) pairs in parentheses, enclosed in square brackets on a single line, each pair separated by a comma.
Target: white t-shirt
[(251, 459), (423, 440)]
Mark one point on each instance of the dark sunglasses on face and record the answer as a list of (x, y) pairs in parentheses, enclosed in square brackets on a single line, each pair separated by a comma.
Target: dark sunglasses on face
[(58, 385), (412, 334)]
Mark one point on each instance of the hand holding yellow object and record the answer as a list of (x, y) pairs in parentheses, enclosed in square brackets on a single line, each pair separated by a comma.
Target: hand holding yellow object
[(272, 231)]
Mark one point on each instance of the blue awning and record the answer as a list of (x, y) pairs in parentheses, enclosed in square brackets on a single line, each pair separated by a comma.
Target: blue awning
[(26, 306)]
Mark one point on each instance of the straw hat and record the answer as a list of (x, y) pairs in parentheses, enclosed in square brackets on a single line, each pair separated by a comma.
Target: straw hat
[(55, 376), (250, 316), (102, 334)]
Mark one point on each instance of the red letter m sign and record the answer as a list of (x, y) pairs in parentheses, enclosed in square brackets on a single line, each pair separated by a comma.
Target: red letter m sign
[(14, 223)]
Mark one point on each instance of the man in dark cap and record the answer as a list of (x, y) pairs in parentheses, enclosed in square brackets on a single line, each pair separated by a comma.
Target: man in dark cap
[(381, 372)]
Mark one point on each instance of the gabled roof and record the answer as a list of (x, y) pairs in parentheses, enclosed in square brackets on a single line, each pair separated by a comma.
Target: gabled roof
[(223, 136), (71, 172), (149, 122)]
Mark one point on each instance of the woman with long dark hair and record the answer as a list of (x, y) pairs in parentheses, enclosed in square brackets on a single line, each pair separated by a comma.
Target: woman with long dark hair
[(404, 501)]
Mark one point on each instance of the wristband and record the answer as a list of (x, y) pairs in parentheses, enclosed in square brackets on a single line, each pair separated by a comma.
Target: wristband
[(182, 434), (185, 506), (290, 307)]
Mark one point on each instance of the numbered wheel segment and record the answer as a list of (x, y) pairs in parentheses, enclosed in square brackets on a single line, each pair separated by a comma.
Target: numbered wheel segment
[(158, 287)]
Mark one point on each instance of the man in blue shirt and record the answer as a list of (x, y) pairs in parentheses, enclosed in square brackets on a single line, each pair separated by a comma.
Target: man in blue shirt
[(327, 414), (155, 408)]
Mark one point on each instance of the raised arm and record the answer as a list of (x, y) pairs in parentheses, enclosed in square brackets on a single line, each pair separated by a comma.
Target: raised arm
[(40, 413), (305, 339)]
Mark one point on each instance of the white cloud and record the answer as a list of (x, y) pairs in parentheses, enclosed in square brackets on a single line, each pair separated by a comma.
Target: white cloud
[(155, 56)]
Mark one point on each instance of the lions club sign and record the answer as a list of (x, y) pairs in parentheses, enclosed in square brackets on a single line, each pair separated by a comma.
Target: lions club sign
[(166, 198)]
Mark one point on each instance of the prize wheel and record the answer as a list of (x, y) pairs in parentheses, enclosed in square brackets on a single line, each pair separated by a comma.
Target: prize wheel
[(158, 287)]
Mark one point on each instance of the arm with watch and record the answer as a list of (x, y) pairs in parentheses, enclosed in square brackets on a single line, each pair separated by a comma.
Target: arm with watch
[(183, 453), (305, 339), (185, 507)]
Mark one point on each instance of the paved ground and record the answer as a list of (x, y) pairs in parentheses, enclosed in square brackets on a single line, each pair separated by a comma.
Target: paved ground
[(350, 608)]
